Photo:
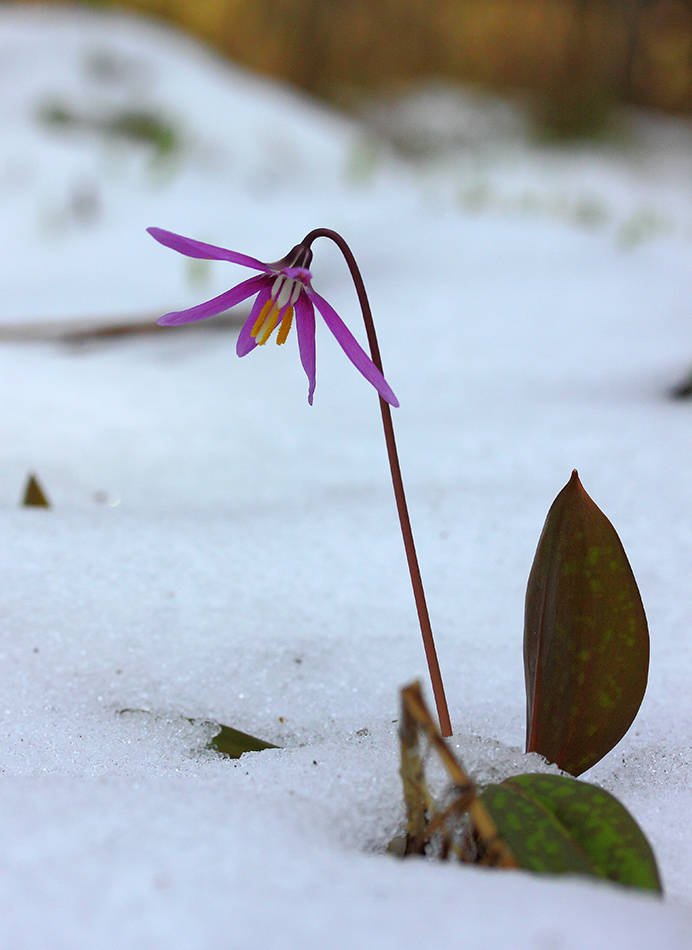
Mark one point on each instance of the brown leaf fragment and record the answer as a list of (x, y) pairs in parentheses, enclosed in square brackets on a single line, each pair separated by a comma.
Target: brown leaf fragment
[(34, 496)]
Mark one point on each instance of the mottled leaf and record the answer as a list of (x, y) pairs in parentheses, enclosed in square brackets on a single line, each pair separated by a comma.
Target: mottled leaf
[(556, 825), (586, 641), (233, 742)]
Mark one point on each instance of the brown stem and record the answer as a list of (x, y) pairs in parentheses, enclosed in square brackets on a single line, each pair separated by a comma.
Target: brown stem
[(397, 482)]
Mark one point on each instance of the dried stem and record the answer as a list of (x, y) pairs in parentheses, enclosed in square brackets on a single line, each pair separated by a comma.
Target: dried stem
[(397, 482), (415, 721)]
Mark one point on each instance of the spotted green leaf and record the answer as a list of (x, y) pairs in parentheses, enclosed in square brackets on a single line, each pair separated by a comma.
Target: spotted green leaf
[(556, 825), (586, 640)]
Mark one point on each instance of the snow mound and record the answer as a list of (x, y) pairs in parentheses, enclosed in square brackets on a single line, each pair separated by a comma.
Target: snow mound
[(110, 122)]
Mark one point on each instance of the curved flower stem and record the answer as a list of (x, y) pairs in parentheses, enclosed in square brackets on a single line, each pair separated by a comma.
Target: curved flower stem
[(397, 482)]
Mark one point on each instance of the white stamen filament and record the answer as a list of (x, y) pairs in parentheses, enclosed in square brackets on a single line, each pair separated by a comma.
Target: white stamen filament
[(276, 286), (284, 294), (295, 293)]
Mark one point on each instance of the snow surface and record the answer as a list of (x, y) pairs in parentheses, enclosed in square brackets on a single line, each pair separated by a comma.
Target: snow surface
[(219, 552)]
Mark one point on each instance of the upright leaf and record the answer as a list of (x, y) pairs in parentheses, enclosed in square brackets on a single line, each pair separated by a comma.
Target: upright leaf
[(586, 641)]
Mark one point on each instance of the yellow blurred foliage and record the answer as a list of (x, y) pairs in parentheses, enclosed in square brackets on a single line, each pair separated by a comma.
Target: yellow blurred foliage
[(570, 52)]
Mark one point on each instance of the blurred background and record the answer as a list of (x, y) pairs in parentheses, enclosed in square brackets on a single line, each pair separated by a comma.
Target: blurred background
[(574, 59), (216, 116)]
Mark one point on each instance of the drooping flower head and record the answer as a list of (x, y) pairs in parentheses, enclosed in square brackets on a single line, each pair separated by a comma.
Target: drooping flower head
[(283, 291)]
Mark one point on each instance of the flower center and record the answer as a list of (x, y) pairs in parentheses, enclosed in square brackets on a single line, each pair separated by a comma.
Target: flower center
[(284, 293)]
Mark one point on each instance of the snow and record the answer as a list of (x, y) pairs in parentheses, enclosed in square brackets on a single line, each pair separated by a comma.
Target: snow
[(219, 552)]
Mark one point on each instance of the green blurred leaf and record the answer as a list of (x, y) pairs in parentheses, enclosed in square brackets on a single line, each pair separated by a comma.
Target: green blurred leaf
[(586, 640), (233, 742), (556, 825), (142, 126)]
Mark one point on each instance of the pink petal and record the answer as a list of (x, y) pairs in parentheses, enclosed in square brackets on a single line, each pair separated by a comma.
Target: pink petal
[(246, 342), (206, 251), (216, 305), (305, 327), (353, 349), (300, 273)]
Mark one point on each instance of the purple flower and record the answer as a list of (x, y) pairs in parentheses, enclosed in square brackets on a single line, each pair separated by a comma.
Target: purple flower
[(282, 290)]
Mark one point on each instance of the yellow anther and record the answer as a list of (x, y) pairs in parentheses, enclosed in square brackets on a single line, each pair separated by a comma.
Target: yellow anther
[(271, 321), (285, 327), (260, 320)]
